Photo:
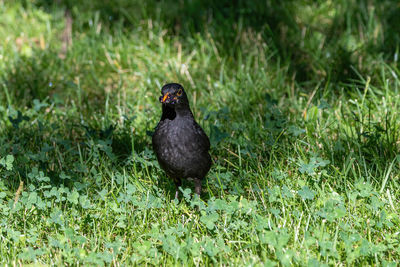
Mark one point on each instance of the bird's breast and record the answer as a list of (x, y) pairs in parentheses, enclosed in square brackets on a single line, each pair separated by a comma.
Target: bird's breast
[(171, 138), (176, 142)]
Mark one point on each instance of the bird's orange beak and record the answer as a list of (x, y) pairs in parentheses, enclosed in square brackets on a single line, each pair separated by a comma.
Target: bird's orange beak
[(164, 98)]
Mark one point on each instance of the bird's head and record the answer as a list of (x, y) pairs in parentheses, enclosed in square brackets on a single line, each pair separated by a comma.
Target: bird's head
[(172, 94)]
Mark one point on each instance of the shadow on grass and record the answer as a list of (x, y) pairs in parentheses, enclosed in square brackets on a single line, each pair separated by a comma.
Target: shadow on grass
[(34, 77), (372, 144), (286, 26), (57, 134), (43, 75), (40, 77), (66, 152)]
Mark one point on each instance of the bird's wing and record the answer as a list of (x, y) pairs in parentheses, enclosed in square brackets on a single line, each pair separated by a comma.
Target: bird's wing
[(202, 137)]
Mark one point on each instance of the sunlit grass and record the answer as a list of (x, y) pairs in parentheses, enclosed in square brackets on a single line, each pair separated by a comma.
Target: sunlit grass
[(303, 125)]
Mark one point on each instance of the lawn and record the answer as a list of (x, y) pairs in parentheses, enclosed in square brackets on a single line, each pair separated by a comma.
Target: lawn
[(300, 100)]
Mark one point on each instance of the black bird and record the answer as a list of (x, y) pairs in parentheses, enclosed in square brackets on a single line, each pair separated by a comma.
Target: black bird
[(180, 144)]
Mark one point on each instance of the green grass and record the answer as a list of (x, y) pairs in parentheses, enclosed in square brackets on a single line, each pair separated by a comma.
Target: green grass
[(300, 100)]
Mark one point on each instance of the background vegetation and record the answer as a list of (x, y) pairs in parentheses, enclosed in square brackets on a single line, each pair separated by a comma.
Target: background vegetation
[(300, 100)]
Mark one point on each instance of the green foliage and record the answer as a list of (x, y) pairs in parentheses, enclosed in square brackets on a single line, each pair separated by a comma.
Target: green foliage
[(7, 162), (300, 100)]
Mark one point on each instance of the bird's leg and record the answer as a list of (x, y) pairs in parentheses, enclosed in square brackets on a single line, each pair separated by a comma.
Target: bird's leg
[(178, 183), (197, 186)]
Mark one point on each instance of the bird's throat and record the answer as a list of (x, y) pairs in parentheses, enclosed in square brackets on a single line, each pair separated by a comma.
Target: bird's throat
[(168, 112), (171, 112)]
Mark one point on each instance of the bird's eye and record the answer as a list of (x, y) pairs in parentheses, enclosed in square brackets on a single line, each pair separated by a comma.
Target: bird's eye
[(179, 93)]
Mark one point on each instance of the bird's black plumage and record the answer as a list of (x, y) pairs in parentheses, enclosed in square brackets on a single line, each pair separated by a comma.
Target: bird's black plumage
[(180, 144)]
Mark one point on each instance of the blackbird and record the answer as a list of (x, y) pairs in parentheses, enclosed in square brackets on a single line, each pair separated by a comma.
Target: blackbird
[(180, 144)]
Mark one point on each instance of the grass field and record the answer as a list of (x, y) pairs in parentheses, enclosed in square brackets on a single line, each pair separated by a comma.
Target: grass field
[(300, 100)]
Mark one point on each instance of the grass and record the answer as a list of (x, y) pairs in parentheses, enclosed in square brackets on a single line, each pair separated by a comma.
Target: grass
[(300, 100)]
